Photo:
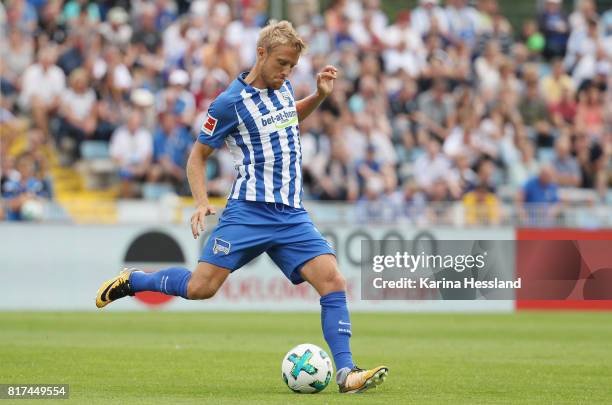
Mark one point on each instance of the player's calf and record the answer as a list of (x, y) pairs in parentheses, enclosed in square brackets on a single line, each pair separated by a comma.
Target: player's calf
[(200, 292), (206, 281)]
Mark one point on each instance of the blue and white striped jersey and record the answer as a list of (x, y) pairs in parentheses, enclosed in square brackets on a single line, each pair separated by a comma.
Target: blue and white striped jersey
[(260, 127)]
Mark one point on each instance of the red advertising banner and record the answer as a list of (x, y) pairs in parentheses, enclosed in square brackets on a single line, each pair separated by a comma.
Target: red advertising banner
[(566, 269)]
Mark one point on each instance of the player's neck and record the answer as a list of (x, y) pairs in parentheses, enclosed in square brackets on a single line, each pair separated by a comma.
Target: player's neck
[(254, 78)]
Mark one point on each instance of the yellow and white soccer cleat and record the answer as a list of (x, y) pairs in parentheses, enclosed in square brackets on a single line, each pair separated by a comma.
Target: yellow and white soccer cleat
[(358, 380), (115, 288)]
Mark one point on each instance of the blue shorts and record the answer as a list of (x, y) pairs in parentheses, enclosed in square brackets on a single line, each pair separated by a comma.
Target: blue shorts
[(247, 229)]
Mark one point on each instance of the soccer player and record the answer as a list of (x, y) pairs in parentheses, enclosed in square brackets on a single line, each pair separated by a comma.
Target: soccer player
[(257, 117)]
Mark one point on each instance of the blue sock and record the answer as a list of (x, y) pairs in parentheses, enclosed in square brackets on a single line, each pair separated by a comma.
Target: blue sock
[(337, 328), (172, 281)]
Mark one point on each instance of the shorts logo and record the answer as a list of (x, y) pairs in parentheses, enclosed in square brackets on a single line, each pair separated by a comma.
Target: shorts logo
[(221, 246), (209, 125)]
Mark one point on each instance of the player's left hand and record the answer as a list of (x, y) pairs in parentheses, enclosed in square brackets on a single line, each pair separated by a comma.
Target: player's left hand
[(325, 80)]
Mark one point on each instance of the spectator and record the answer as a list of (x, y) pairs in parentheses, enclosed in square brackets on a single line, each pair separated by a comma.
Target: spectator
[(485, 175), (242, 34), (367, 33), (526, 166), (22, 187), (404, 101), (590, 114), (17, 54), (428, 13), (461, 21), (555, 27), (171, 146), (409, 203), (535, 116), (337, 179), (593, 159), (76, 50), (177, 99), (585, 10), (370, 206), (113, 65), (78, 111), (131, 147), (431, 166), (42, 86), (435, 114), (556, 83), (439, 199), (582, 52), (367, 168), (460, 141), (533, 38), (564, 164), (487, 70), (538, 201), (75, 10), (564, 111), (50, 24), (23, 15), (116, 30), (404, 48), (147, 37), (111, 107), (481, 206), (500, 32)]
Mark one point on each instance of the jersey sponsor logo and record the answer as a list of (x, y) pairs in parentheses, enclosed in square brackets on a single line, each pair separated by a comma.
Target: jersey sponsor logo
[(221, 246), (281, 119), (209, 125)]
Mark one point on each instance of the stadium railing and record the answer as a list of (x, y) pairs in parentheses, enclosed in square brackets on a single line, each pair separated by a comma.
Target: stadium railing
[(451, 214)]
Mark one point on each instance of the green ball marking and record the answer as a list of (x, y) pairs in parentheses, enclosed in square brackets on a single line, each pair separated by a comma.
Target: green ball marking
[(320, 386), (301, 363)]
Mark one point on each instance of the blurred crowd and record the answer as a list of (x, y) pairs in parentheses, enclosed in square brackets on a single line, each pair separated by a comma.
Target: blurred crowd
[(445, 102)]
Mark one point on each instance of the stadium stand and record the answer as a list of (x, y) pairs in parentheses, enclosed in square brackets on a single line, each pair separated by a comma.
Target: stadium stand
[(452, 114)]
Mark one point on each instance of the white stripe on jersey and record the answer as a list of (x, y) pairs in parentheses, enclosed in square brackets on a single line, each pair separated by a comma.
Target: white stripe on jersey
[(251, 194), (283, 137), (266, 145), (238, 164), (298, 150), (298, 170)]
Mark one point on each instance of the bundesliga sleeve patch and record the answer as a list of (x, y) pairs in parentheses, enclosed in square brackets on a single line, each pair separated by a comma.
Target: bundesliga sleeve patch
[(208, 127)]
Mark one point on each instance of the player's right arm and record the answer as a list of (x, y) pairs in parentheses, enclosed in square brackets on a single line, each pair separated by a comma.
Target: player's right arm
[(220, 122), (196, 174)]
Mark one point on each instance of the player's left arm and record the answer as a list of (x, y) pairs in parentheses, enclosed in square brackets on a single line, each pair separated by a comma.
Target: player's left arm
[(325, 85)]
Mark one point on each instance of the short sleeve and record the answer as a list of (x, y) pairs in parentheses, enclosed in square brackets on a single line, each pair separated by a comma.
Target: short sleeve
[(220, 121)]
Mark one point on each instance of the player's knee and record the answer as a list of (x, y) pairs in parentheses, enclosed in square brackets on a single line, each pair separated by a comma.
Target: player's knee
[(336, 282)]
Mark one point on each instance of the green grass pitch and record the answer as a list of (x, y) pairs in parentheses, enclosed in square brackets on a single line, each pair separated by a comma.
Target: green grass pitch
[(230, 358)]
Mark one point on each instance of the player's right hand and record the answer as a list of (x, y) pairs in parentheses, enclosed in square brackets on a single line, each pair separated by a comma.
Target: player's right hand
[(198, 219)]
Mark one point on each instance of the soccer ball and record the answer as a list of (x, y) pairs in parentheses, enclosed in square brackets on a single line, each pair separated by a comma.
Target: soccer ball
[(307, 369)]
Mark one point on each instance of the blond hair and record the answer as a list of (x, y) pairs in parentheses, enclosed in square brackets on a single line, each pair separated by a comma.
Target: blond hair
[(280, 33)]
